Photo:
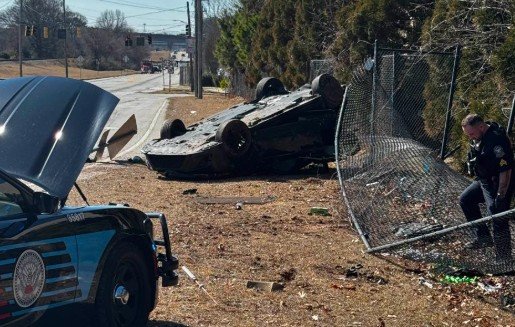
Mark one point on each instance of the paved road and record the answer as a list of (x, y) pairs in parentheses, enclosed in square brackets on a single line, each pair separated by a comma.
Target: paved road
[(136, 97)]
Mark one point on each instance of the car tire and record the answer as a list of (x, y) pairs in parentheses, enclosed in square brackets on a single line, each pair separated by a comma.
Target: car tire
[(125, 270), (172, 128), (235, 137), (269, 86), (329, 89)]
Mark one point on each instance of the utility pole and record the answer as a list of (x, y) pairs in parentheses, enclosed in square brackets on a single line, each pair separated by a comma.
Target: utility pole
[(20, 59), (188, 35), (65, 32), (198, 42)]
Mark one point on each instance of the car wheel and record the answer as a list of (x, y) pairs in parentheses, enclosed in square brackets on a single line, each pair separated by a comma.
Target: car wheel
[(329, 89), (124, 292), (172, 128), (269, 86), (235, 137)]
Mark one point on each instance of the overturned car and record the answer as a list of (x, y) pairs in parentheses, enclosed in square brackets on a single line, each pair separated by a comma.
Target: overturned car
[(279, 131), (52, 255)]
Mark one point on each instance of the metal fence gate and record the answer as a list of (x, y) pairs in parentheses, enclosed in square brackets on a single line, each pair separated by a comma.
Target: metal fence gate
[(391, 139)]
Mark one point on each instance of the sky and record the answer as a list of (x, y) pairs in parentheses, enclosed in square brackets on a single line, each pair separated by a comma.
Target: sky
[(150, 16)]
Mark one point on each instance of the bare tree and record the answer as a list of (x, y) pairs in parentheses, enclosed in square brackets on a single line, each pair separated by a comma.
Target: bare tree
[(112, 20)]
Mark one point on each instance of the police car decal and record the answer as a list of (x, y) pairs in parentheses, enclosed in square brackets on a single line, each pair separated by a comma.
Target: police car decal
[(29, 278), (498, 151)]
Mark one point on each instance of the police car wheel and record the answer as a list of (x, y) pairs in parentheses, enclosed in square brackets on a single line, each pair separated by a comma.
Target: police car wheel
[(124, 295)]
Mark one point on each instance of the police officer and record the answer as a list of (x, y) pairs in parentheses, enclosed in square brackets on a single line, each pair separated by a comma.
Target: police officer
[(491, 158)]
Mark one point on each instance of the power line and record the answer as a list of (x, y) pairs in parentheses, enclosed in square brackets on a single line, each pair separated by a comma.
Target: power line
[(134, 5), (150, 13)]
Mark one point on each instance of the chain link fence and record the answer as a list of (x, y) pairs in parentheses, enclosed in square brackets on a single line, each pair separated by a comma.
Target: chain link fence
[(392, 137), (319, 67)]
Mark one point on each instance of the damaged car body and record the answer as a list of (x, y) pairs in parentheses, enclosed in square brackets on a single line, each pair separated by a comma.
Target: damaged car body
[(53, 255), (279, 131)]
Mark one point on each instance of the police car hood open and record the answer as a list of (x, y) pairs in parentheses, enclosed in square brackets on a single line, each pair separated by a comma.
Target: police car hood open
[(48, 127)]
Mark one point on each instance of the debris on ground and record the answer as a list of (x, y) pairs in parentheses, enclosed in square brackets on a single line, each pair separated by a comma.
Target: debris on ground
[(319, 211), (200, 285), (449, 279), (425, 282), (190, 191), (265, 286), (234, 200)]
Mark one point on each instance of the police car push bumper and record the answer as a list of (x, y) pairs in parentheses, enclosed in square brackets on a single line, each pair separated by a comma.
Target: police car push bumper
[(166, 262)]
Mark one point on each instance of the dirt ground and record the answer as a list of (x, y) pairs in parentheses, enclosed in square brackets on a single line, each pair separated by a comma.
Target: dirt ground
[(328, 279), (55, 68)]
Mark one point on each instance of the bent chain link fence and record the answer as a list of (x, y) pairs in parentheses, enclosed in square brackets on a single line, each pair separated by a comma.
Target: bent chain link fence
[(402, 197)]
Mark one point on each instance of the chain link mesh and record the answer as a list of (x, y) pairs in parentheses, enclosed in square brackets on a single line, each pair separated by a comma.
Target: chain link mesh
[(402, 197), (320, 66)]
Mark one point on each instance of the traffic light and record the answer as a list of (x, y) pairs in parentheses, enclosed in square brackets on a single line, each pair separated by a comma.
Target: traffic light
[(29, 30), (188, 30), (149, 39), (128, 41), (140, 41), (45, 32), (34, 30)]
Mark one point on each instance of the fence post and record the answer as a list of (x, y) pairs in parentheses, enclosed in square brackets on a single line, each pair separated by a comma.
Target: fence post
[(449, 102), (373, 109)]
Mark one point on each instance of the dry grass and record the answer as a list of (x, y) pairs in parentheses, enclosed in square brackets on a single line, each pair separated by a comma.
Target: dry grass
[(277, 241), (55, 68)]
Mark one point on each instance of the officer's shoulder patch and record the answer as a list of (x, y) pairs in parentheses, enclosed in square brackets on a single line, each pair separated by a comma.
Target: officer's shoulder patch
[(502, 163), (498, 151)]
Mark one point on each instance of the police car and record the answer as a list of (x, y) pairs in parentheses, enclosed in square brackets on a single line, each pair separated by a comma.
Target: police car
[(53, 255)]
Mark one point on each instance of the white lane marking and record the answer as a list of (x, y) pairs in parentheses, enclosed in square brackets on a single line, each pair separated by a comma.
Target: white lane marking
[(149, 130)]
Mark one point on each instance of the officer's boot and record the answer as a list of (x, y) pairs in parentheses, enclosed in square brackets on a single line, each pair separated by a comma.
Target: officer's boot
[(483, 239)]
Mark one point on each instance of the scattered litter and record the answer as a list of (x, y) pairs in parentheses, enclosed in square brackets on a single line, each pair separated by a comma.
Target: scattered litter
[(489, 288), (319, 211), (200, 285), (314, 317), (234, 200), (425, 282), (353, 271), (239, 205), (265, 286), (190, 191), (459, 279), (346, 286), (302, 294), (507, 300), (193, 112), (371, 184)]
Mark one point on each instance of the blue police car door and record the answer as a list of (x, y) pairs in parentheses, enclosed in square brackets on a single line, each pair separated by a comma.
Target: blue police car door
[(38, 259)]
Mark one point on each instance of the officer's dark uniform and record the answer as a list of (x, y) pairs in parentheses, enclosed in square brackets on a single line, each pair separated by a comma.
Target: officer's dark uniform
[(492, 155)]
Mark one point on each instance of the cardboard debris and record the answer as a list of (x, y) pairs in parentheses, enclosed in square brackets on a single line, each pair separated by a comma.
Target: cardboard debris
[(265, 286)]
